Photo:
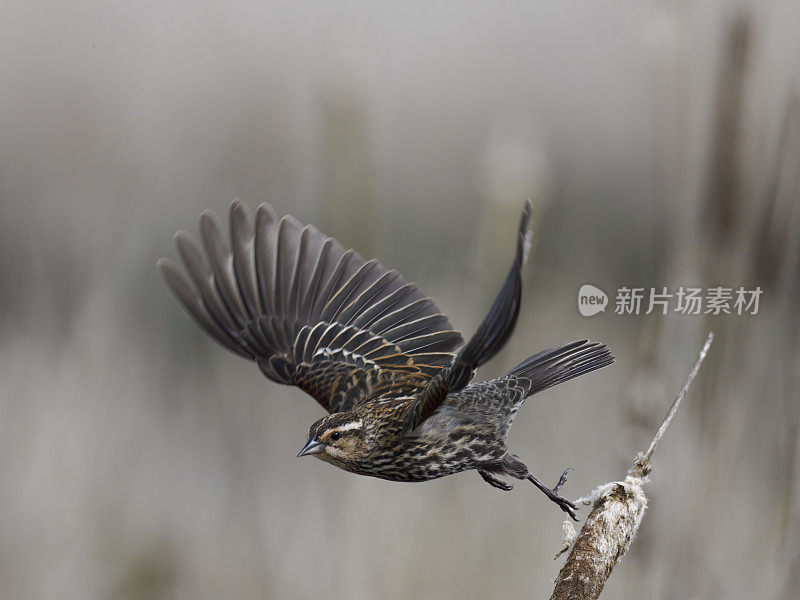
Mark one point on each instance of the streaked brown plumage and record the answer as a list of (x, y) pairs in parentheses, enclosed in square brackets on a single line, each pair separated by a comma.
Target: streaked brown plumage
[(371, 348)]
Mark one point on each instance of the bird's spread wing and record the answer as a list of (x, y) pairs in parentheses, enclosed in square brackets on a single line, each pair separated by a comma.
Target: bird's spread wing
[(310, 312), (491, 336)]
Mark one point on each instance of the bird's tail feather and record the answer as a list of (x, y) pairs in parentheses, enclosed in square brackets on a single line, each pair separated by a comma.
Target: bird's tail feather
[(557, 365)]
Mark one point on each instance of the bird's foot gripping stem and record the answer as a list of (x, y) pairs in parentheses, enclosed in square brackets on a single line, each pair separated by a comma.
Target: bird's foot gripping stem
[(565, 505)]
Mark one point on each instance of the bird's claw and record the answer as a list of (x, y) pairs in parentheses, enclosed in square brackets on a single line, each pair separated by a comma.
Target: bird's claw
[(495, 481), (567, 506), (562, 480), (564, 504)]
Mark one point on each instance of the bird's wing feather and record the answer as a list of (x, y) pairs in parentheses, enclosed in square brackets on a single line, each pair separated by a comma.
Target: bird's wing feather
[(309, 311), (490, 337)]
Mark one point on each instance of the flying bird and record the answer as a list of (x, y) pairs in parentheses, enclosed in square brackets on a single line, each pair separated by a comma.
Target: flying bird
[(370, 347)]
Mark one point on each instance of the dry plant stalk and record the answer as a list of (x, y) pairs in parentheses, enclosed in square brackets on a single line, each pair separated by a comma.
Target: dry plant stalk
[(614, 519)]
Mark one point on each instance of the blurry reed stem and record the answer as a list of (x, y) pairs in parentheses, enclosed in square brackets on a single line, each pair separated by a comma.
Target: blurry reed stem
[(617, 511)]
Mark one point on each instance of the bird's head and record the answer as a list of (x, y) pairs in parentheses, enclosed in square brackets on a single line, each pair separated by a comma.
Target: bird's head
[(341, 438)]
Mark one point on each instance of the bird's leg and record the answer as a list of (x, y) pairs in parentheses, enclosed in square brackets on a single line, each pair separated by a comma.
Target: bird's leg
[(565, 505), (514, 467), (494, 481)]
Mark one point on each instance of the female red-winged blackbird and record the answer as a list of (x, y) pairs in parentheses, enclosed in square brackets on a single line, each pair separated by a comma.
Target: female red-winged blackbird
[(371, 348)]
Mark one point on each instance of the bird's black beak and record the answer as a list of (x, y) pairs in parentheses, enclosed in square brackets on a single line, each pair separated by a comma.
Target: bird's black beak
[(313, 446)]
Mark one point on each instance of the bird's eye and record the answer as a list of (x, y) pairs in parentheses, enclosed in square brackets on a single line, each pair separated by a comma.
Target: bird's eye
[(335, 436)]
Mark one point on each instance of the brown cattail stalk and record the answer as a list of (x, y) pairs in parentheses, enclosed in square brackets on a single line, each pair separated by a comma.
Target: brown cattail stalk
[(617, 511)]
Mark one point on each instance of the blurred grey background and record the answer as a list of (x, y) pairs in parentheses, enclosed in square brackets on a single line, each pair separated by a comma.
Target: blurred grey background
[(660, 143)]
